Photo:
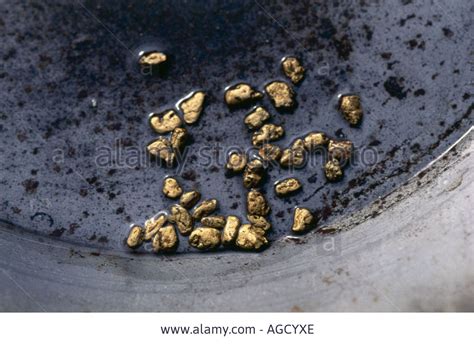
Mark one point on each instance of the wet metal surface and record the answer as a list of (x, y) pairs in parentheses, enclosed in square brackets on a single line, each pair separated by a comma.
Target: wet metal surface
[(71, 90)]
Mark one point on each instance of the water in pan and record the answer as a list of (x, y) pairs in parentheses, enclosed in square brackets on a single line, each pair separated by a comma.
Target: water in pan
[(57, 175)]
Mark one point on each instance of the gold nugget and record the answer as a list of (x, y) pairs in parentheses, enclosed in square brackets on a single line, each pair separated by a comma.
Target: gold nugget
[(165, 122), (303, 220), (281, 94), (253, 173), (178, 138), (269, 152), (287, 186), (294, 156), (166, 240), (241, 94), (189, 199), (231, 229), (256, 118), (153, 224), (152, 58), (135, 237), (191, 106), (351, 109), (268, 132), (333, 170), (162, 149), (171, 188), (257, 204), (293, 69), (236, 162), (251, 238), (205, 208), (298, 144), (182, 219), (340, 150), (315, 140), (205, 238), (259, 222), (217, 222)]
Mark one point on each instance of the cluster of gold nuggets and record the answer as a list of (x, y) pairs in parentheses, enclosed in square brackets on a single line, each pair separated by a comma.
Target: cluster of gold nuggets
[(229, 231), (214, 229)]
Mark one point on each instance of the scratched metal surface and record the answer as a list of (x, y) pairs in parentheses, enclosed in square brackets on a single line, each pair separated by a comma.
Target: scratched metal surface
[(407, 59)]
